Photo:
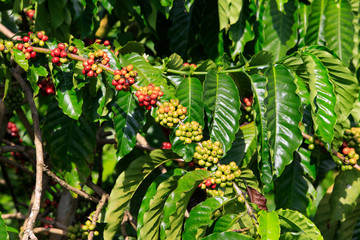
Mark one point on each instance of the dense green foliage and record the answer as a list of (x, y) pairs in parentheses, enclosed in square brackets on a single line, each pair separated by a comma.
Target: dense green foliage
[(276, 83)]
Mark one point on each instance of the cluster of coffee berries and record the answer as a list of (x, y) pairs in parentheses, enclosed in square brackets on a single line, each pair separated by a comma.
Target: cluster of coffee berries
[(59, 54), (208, 184), (189, 66), (214, 192), (166, 145), (246, 105), (170, 113), (30, 13), (350, 155), (12, 134), (149, 95), (352, 137), (81, 231), (38, 38), (14, 99), (6, 46), (12, 130), (311, 145), (49, 225), (46, 86), (226, 174), (124, 78), (190, 132), (48, 204), (209, 154), (91, 68)]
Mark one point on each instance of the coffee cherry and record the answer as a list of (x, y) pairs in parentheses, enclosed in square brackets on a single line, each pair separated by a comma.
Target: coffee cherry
[(166, 145), (171, 113), (144, 95), (125, 79)]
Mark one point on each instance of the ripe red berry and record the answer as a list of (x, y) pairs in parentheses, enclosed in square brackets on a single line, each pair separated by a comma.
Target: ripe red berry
[(45, 38), (208, 183), (26, 38), (106, 43), (90, 73), (20, 46), (63, 54), (55, 59), (117, 72), (114, 82), (29, 49), (61, 46), (33, 54), (119, 87), (30, 13), (74, 50), (346, 150), (56, 52), (40, 35)]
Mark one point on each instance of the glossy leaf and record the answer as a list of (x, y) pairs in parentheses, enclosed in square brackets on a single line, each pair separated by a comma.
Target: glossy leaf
[(291, 188), (229, 12), (339, 29), (201, 217), (297, 223), (261, 58), (280, 28), (128, 120), (282, 116), (127, 183), (322, 98), (269, 225), (315, 34), (225, 222), (190, 95), (181, 148), (69, 99), (227, 236), (3, 234), (20, 59), (222, 98), (150, 212), (344, 195), (243, 147), (263, 149), (176, 203)]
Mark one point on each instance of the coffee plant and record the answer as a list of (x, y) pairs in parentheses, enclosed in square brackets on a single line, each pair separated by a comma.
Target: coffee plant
[(180, 119)]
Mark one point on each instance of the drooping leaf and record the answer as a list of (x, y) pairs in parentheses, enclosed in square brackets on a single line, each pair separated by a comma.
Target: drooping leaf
[(222, 98), (128, 120), (322, 99), (257, 198), (225, 222), (291, 188), (201, 217), (33, 76), (3, 234), (70, 143), (20, 59), (345, 194), (153, 202), (282, 116), (190, 95), (263, 150), (175, 61), (303, 22), (339, 29), (227, 236), (69, 99), (269, 225), (296, 223), (176, 203), (243, 147), (126, 185), (261, 58), (315, 34), (280, 28), (229, 12)]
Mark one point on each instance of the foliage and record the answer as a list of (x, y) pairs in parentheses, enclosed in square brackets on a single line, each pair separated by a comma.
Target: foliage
[(272, 86)]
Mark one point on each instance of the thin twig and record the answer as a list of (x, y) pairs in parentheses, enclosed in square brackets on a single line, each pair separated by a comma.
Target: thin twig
[(95, 217), (9, 186), (21, 115), (4, 30), (50, 230), (16, 164), (21, 216), (30, 222), (249, 209)]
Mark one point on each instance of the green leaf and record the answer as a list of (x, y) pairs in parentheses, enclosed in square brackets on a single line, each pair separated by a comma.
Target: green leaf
[(201, 217), (280, 28), (222, 98), (181, 148), (70, 143), (33, 76), (150, 212), (315, 32), (225, 222), (263, 149), (269, 225), (291, 187), (339, 29), (3, 234), (345, 194), (347, 227), (176, 203), (69, 99), (280, 5), (261, 58), (229, 12), (20, 59), (322, 99), (126, 185), (227, 236), (128, 120), (190, 95), (243, 147), (298, 223), (131, 47), (147, 73), (282, 116), (175, 62)]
